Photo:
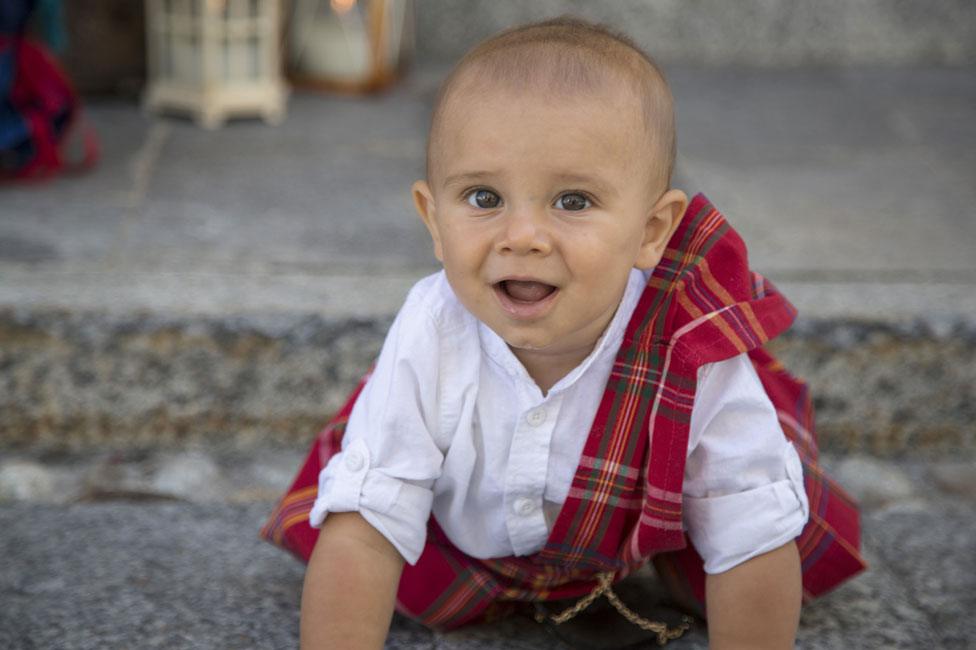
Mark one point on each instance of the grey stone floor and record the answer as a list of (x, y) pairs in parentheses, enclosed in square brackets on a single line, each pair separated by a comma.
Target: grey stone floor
[(853, 188), (160, 550), (171, 575)]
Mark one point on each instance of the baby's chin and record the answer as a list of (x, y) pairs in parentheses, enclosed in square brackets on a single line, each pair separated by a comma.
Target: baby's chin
[(539, 346), (525, 346), (520, 343), (535, 336)]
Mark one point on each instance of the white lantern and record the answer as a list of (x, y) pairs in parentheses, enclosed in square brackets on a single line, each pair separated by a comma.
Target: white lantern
[(215, 59)]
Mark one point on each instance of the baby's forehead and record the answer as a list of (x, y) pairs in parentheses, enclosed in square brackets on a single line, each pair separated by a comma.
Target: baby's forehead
[(471, 96), (551, 69), (550, 73), (609, 112), (511, 151)]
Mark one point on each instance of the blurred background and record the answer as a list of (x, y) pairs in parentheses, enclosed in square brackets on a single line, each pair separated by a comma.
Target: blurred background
[(201, 251)]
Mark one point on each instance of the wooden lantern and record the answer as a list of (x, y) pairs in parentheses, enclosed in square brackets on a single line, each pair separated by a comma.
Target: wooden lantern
[(215, 59)]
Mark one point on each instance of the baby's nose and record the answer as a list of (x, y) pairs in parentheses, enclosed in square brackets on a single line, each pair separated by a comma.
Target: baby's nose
[(525, 231)]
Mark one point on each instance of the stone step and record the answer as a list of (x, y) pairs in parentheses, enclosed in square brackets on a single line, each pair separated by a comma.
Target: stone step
[(74, 379), (261, 473)]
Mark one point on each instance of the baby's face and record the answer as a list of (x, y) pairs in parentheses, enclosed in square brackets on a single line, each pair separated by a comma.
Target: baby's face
[(539, 207)]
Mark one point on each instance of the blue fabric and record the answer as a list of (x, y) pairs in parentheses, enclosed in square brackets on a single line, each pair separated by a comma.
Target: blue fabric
[(16, 146), (13, 127), (7, 68)]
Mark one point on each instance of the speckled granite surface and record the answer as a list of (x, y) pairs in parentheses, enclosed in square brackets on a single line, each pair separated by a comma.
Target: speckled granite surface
[(183, 568)]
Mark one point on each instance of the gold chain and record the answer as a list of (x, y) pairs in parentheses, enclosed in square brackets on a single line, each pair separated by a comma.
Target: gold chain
[(603, 588)]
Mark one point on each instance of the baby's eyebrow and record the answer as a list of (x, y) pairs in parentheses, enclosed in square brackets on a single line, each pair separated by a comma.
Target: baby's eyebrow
[(468, 177), (587, 181)]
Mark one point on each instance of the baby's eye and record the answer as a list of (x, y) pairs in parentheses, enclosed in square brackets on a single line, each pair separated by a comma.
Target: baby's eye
[(573, 201), (485, 199)]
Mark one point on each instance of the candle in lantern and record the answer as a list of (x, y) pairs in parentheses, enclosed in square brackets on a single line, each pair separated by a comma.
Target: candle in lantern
[(331, 43)]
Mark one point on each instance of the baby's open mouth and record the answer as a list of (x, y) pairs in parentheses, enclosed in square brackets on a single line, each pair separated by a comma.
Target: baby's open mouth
[(525, 291)]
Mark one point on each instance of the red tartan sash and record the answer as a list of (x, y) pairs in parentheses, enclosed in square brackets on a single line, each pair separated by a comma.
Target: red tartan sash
[(701, 305)]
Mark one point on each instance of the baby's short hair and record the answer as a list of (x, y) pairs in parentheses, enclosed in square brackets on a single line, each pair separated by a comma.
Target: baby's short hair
[(562, 55)]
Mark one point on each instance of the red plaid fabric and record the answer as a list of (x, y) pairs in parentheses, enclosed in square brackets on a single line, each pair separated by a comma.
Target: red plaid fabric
[(701, 305)]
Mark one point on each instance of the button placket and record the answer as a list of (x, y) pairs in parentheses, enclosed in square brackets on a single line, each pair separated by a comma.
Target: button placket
[(527, 472)]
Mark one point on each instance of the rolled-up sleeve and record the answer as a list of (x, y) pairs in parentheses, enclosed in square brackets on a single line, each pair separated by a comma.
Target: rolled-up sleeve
[(743, 490), (397, 509), (389, 459)]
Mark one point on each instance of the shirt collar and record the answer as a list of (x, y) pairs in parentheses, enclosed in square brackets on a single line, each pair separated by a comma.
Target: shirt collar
[(609, 342)]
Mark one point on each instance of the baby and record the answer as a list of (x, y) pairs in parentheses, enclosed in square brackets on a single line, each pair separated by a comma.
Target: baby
[(581, 390)]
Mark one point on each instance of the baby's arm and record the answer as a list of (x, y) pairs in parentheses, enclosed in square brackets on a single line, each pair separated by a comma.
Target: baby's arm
[(350, 586), (756, 605)]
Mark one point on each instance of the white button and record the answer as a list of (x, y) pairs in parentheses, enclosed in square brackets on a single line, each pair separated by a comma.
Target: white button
[(524, 506), (536, 417), (354, 461)]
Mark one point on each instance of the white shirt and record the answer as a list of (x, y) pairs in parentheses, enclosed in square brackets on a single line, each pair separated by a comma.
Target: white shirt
[(450, 423)]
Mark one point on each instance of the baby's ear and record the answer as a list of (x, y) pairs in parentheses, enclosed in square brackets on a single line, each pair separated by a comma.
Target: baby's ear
[(423, 200), (661, 223)]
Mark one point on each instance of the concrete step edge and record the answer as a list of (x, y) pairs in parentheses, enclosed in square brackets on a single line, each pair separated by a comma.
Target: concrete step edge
[(75, 378)]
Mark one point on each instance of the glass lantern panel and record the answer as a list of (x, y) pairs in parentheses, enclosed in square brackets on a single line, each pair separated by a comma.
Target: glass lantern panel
[(235, 48), (225, 56), (187, 58), (255, 57), (164, 43)]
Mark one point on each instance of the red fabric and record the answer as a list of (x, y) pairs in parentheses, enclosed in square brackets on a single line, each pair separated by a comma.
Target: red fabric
[(45, 99)]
